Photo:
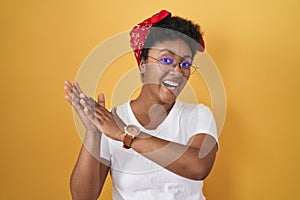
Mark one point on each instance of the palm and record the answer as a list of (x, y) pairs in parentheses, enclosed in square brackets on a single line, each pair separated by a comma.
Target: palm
[(73, 96)]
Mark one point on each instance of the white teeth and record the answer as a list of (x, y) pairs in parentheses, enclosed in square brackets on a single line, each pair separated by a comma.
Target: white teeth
[(171, 83)]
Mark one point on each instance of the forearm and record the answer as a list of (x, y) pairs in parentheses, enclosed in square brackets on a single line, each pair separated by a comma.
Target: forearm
[(85, 179), (183, 160)]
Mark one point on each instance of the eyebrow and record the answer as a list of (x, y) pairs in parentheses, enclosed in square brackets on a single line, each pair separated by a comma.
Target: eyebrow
[(173, 53)]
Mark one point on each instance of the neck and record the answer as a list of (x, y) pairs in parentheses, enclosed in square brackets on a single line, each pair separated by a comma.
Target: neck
[(145, 101), (149, 111)]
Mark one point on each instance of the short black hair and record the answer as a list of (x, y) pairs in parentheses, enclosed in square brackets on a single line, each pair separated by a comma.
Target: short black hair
[(172, 28)]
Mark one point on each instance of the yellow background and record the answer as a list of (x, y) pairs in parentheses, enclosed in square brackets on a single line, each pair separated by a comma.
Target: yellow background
[(254, 43)]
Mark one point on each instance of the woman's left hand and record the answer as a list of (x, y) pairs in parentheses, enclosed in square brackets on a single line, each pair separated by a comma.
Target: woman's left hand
[(107, 122)]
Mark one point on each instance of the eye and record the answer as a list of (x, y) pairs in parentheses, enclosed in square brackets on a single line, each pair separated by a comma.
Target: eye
[(166, 60), (186, 64)]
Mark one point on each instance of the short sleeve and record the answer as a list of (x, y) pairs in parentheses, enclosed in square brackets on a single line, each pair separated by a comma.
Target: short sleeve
[(104, 148), (202, 121)]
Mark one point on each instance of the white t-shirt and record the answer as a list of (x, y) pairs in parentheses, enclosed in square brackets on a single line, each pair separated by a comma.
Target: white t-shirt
[(138, 178)]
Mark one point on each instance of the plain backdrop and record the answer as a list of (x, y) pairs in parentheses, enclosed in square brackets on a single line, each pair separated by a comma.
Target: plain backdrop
[(255, 45)]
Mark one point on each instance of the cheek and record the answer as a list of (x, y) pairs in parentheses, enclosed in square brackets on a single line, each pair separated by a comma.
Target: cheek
[(181, 86), (153, 75)]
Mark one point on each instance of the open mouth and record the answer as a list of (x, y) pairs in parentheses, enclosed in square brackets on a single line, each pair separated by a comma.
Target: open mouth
[(170, 84)]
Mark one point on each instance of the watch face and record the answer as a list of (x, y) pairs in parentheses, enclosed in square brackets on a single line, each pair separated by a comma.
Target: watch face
[(133, 130)]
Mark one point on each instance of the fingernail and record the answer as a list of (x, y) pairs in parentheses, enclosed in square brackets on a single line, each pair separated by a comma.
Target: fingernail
[(81, 95), (82, 101)]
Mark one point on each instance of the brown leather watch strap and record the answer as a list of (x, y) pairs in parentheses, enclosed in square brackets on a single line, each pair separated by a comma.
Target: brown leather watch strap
[(127, 140)]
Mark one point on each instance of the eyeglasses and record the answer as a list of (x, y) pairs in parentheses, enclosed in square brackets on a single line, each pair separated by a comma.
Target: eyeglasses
[(188, 67)]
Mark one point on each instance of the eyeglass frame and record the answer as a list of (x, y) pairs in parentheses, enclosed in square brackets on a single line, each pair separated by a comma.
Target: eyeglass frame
[(194, 65)]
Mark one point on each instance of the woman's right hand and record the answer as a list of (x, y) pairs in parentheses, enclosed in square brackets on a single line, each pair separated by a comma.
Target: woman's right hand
[(73, 92)]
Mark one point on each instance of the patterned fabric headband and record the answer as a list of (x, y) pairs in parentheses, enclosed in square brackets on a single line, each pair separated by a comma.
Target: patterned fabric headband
[(139, 33)]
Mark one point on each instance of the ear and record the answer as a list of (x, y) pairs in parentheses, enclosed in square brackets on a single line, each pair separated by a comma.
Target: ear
[(142, 66)]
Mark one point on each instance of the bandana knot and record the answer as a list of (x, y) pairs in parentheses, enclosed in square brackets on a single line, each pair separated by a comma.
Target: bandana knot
[(139, 33)]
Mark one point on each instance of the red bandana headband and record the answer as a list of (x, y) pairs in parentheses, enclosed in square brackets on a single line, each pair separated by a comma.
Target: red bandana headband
[(139, 33)]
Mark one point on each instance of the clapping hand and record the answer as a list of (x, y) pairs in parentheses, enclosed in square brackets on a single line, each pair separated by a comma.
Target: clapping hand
[(73, 96), (94, 115)]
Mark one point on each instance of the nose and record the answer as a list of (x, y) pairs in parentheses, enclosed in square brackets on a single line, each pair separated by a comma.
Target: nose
[(177, 68)]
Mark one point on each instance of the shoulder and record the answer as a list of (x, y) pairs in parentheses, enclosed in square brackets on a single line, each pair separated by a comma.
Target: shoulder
[(198, 118), (191, 109), (191, 113)]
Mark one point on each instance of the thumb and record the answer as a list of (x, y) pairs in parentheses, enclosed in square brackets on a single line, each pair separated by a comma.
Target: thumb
[(101, 100)]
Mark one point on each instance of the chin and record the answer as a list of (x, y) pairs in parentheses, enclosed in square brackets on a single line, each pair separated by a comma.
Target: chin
[(169, 100), (167, 96)]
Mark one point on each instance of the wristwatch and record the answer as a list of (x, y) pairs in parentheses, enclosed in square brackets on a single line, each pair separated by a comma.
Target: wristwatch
[(131, 132)]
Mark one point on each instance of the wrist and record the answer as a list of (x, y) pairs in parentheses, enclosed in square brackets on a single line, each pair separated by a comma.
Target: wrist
[(93, 135), (130, 133), (92, 140), (120, 136), (92, 132)]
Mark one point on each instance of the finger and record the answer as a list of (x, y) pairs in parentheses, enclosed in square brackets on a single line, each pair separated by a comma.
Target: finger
[(84, 97), (68, 91), (76, 102), (91, 116), (91, 100), (68, 83), (77, 87), (73, 99), (99, 116), (117, 119), (75, 91), (88, 100), (90, 106), (102, 111), (68, 88), (69, 99), (87, 105), (83, 103), (101, 99)]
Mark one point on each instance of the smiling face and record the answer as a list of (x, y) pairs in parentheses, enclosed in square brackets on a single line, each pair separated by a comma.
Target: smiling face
[(161, 82)]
